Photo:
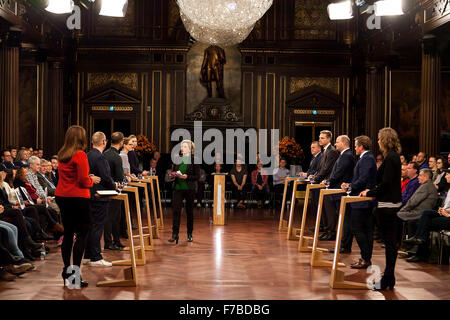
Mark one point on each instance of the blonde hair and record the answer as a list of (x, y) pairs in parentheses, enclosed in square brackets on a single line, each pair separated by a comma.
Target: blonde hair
[(190, 143), (389, 140)]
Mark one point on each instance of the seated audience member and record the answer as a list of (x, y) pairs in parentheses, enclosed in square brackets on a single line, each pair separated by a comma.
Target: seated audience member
[(32, 177), (432, 164), (403, 159), (279, 177), (422, 160), (239, 177), (413, 183), (13, 151), (440, 171), (22, 157), (48, 218), (448, 160), (430, 220), (152, 170), (414, 158), (405, 178), (441, 183), (425, 198), (54, 174), (9, 239), (7, 159), (43, 180), (260, 186), (40, 154), (134, 160), (127, 147), (379, 160), (316, 152)]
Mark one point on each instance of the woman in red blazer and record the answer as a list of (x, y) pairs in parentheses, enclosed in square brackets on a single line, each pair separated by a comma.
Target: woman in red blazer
[(72, 196)]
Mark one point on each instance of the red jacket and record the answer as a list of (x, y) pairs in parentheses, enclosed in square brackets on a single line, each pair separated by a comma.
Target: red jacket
[(74, 180), (404, 183), (254, 178)]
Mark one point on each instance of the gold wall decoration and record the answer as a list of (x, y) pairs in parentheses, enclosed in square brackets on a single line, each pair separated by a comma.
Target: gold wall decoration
[(128, 80), (107, 108), (298, 83), (319, 112), (312, 22)]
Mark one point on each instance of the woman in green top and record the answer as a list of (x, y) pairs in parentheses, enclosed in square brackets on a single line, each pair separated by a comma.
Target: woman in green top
[(184, 188)]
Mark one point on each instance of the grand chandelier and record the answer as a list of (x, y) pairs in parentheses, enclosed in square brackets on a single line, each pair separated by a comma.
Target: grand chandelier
[(220, 22)]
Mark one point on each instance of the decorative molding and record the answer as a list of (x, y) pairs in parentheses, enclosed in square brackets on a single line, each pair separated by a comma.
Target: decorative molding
[(108, 108), (128, 80), (312, 22), (297, 83), (319, 112), (214, 109)]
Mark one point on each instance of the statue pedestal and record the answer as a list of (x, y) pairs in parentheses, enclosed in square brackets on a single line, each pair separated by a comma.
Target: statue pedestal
[(214, 109)]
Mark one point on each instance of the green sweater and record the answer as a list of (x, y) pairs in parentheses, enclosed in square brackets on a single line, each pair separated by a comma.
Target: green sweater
[(181, 184)]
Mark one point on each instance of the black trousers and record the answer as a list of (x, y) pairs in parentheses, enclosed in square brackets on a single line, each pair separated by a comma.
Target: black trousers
[(362, 228), (239, 195), (391, 232), (112, 223), (177, 205), (315, 193), (430, 220), (76, 218), (329, 214), (99, 211)]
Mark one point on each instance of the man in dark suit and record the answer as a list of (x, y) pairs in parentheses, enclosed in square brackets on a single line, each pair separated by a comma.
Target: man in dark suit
[(342, 172), (327, 160), (55, 174), (112, 224), (316, 152), (7, 159), (362, 220), (98, 166)]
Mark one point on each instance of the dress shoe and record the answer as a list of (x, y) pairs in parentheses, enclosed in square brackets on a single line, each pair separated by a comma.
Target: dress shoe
[(361, 264), (189, 239), (119, 245), (323, 236), (331, 236), (385, 282), (112, 247), (414, 240), (18, 270), (174, 238), (43, 236), (414, 259)]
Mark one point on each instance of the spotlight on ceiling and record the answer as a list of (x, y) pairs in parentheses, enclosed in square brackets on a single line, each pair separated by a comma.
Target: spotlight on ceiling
[(114, 8), (388, 8), (340, 11), (60, 6)]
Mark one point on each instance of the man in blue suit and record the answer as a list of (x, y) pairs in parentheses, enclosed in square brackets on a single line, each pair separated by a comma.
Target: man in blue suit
[(316, 152), (364, 177), (342, 172)]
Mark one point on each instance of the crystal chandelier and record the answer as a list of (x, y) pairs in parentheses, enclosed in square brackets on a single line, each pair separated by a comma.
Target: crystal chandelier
[(220, 22)]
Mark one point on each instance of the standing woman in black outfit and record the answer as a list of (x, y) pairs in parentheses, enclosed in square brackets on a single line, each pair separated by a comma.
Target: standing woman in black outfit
[(388, 194), (184, 188)]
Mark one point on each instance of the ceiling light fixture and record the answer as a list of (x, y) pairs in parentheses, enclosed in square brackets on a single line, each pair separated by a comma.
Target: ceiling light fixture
[(340, 10), (60, 6), (389, 8), (114, 8)]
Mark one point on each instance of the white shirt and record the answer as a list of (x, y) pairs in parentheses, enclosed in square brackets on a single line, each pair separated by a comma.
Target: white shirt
[(447, 202), (363, 153), (326, 147), (12, 197)]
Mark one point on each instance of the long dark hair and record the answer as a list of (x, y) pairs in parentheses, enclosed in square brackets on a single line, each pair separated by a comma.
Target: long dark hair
[(75, 140)]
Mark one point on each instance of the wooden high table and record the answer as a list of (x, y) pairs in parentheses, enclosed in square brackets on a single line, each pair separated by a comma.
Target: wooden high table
[(282, 226), (148, 237), (159, 221), (219, 199), (130, 276), (337, 276), (291, 231), (316, 254)]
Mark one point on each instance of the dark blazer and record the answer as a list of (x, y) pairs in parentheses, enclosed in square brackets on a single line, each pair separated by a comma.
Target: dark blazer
[(8, 164), (342, 170), (134, 163), (326, 164), (115, 164), (99, 166), (389, 180), (55, 177), (193, 174), (364, 177), (45, 184), (4, 199), (314, 165)]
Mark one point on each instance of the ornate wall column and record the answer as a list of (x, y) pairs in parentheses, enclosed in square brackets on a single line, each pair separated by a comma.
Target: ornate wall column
[(9, 95), (53, 109), (377, 102), (430, 97)]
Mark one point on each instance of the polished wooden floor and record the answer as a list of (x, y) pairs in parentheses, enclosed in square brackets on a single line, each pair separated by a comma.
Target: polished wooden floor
[(246, 259)]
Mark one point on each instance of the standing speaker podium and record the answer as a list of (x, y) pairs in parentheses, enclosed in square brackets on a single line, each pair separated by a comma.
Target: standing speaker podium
[(219, 199)]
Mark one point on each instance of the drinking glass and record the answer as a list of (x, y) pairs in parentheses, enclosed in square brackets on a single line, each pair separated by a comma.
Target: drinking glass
[(348, 189), (120, 187)]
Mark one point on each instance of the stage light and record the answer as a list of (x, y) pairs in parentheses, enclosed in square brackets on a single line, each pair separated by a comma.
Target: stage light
[(60, 6), (340, 10), (114, 8), (388, 8)]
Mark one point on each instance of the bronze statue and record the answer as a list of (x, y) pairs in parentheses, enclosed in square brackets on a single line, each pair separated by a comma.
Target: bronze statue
[(212, 70)]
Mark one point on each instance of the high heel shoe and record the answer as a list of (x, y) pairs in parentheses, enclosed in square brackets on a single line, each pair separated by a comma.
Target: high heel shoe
[(386, 282), (66, 276), (190, 237), (174, 238)]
